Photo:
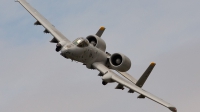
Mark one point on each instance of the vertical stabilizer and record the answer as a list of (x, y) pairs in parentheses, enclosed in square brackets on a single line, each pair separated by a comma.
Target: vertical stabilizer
[(100, 32), (145, 75)]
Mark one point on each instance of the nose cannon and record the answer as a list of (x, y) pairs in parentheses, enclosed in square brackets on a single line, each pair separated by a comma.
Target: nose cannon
[(64, 51), (67, 50)]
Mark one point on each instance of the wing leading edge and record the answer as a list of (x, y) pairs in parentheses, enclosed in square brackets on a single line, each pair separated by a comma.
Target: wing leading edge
[(111, 76), (49, 28)]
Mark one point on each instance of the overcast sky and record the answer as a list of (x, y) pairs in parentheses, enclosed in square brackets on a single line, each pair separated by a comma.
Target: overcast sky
[(35, 78)]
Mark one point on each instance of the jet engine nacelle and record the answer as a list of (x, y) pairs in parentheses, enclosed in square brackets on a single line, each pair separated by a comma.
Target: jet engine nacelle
[(120, 62), (97, 42)]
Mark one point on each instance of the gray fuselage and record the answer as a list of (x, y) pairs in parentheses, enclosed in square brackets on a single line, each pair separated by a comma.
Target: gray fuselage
[(86, 55)]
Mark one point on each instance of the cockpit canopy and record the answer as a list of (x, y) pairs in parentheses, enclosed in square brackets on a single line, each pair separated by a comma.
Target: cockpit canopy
[(81, 42)]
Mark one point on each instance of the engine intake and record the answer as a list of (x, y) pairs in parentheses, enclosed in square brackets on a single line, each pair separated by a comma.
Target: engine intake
[(97, 42), (120, 62)]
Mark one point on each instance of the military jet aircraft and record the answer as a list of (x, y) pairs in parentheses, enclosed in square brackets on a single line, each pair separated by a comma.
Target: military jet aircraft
[(91, 51)]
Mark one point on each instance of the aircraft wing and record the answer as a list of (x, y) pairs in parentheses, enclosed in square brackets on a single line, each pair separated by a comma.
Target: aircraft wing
[(128, 76), (49, 28), (111, 76)]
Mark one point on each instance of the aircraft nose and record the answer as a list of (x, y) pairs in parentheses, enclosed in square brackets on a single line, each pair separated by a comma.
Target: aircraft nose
[(65, 49)]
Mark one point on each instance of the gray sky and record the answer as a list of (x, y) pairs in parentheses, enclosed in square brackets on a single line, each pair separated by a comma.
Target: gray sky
[(35, 78)]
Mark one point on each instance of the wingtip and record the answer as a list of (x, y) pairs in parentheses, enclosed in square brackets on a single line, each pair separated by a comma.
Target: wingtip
[(173, 109)]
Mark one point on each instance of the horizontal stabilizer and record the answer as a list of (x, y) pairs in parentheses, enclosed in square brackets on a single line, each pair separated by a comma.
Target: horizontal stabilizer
[(145, 75), (100, 32)]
